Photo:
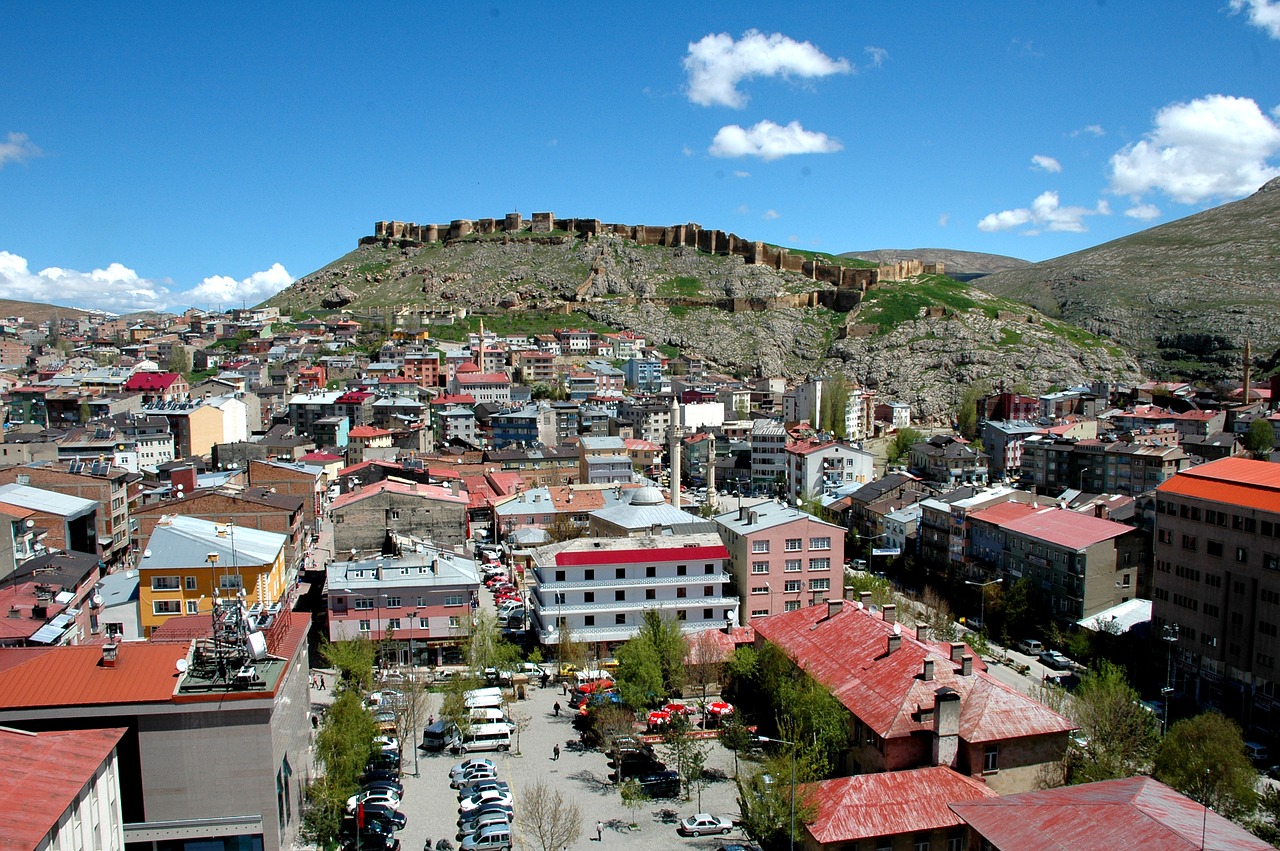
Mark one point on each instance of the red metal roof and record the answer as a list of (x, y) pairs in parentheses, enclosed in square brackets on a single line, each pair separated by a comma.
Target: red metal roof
[(353, 397), (638, 554), (847, 653), (1003, 512), (74, 676), (43, 775), (1065, 528), (483, 378), (1136, 812), (1234, 481), (149, 381), (890, 803), (368, 431)]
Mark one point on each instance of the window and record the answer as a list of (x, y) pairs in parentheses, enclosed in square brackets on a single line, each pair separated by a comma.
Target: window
[(819, 543), (423, 623), (990, 759), (1270, 561), (1269, 596), (620, 619), (454, 622), (759, 546), (365, 626), (819, 584), (920, 842), (230, 582), (587, 597), (422, 603), (166, 607), (819, 564), (793, 586), (759, 567), (588, 620), (1189, 542), (793, 544), (706, 614), (650, 594), (650, 572), (1242, 555), (454, 600), (709, 569), (682, 569), (190, 583), (791, 605), (393, 602), (619, 595), (682, 592), (589, 574), (759, 613), (393, 623), (620, 573), (760, 589), (193, 607), (708, 590), (1213, 548), (792, 565), (559, 576), (362, 603), (682, 615), (164, 583)]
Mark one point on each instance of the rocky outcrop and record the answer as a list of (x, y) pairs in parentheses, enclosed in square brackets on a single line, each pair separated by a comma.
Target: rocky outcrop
[(339, 296)]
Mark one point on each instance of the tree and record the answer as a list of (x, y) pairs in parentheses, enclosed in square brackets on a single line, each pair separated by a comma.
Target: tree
[(353, 660), (486, 648), (662, 631), (688, 754), (1203, 758), (966, 413), (639, 675), (522, 720), (764, 800), (562, 528), (453, 707), (633, 798), (410, 710), (704, 661), (941, 621), (900, 446), (180, 360), (735, 736), (1260, 438), (835, 399), (343, 743), (548, 818), (569, 650), (1118, 735), (881, 589)]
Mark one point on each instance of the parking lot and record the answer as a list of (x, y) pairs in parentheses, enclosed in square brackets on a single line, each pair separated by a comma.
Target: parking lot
[(583, 775)]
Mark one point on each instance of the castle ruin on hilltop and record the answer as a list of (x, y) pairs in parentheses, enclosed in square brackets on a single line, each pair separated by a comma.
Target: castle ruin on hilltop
[(850, 284)]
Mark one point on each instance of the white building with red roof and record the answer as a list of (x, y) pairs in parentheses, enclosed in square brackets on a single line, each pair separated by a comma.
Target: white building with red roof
[(491, 387), (914, 703), (816, 467)]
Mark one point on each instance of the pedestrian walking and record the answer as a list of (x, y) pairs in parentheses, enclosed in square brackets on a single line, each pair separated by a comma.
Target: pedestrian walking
[(556, 753), (322, 682), (556, 709), (426, 846), (564, 689), (599, 831), (431, 719)]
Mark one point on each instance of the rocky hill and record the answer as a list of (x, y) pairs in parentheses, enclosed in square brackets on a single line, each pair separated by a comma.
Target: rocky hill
[(38, 312), (961, 265), (1181, 296), (915, 339)]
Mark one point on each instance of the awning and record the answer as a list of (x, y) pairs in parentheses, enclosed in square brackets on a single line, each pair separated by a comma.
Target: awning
[(51, 632)]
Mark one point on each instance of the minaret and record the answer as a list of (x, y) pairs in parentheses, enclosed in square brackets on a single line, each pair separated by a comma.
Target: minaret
[(674, 463), (711, 470), (1248, 362), (480, 353)]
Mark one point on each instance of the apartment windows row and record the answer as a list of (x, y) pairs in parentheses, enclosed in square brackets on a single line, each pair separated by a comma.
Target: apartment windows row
[(793, 586), (226, 582), (455, 622), (650, 572), (793, 565), (394, 602)]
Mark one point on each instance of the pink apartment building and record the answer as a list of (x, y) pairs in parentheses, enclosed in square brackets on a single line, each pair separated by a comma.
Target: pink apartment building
[(781, 558)]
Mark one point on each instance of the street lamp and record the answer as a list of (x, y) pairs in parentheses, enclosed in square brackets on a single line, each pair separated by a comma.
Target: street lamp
[(1170, 636), (982, 606), (1080, 479), (792, 833)]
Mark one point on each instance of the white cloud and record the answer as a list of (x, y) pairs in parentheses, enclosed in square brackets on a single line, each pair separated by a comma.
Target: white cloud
[(1044, 163), (1213, 147), (717, 63), (220, 289), (743, 209), (119, 289), (770, 141), (1045, 213), (1143, 212), (1089, 130), (17, 148), (1263, 14), (770, 215), (742, 174), (686, 150), (944, 220), (877, 55)]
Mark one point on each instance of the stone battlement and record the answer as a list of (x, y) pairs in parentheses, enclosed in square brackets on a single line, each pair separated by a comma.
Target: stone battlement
[(690, 235)]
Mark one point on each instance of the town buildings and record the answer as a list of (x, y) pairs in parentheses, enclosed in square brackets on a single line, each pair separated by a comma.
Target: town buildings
[(364, 517)]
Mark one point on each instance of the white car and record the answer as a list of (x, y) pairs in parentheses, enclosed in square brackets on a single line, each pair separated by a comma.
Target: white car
[(374, 796), (495, 796), (703, 824), (469, 765), (386, 743)]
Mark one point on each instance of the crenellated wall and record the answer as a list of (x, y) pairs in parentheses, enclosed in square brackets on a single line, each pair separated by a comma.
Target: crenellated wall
[(851, 284)]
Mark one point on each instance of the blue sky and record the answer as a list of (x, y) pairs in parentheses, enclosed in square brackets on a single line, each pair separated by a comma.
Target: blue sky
[(159, 156)]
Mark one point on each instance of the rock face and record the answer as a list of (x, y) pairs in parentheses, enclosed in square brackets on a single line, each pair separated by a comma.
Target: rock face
[(1182, 296), (339, 296)]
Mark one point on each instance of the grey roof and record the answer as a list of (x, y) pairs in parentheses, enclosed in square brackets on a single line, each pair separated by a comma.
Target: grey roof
[(119, 588), (49, 502), (601, 443), (767, 514), (187, 542), (1119, 618), (643, 512), (424, 567)]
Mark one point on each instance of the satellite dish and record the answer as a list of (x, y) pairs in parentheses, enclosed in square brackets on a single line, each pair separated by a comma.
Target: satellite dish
[(146, 553), (897, 629), (181, 665)]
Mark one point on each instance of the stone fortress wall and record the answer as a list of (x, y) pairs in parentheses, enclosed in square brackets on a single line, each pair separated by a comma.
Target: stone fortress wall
[(850, 284)]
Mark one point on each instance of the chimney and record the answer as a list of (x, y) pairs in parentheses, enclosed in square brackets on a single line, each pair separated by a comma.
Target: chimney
[(1100, 511), (922, 632), (864, 597), (833, 608), (966, 665), (895, 641), (926, 672), (742, 513), (848, 592), (957, 650), (110, 652), (890, 613), (946, 726)]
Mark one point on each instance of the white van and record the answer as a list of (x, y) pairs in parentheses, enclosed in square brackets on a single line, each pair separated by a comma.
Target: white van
[(484, 698), (490, 716), (483, 737)]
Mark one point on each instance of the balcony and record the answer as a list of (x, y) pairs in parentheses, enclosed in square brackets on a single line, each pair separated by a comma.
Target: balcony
[(554, 609), (629, 582)]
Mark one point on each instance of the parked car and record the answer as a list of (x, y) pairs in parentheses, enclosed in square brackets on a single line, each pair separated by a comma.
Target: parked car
[(495, 837), (386, 760), (377, 836), (496, 796), (474, 775), (1030, 646), (663, 784), (374, 774), (702, 824), (387, 814), (373, 796), (484, 810), (468, 764), (1055, 660), (482, 786), (391, 785), (471, 825)]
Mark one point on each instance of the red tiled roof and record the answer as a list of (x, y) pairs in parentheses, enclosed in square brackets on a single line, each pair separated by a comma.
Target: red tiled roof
[(639, 554), (368, 431), (1135, 812), (505, 484), (847, 654), (456, 399), (1241, 482), (484, 378), (147, 381), (73, 675), (1065, 528), (890, 803), (321, 457), (353, 397), (43, 775)]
